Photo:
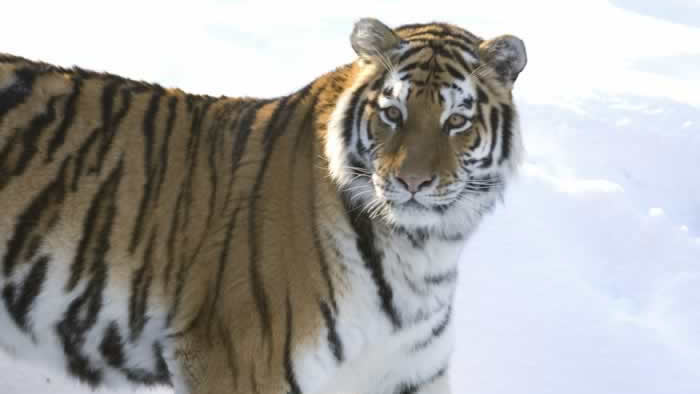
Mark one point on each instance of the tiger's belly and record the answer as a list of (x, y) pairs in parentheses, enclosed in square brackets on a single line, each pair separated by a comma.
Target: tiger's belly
[(92, 329)]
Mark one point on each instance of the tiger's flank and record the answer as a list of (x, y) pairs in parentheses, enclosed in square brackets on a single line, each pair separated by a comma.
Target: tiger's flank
[(301, 244)]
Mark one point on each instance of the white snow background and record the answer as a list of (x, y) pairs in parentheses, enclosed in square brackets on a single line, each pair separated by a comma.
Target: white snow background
[(587, 279)]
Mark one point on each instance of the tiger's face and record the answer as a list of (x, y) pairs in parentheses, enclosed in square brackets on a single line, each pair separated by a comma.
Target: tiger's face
[(430, 134)]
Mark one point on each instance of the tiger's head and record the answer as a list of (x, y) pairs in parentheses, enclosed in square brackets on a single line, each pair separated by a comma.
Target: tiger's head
[(427, 135)]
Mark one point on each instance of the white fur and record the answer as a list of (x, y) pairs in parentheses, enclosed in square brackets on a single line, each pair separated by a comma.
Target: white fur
[(379, 359), (335, 149)]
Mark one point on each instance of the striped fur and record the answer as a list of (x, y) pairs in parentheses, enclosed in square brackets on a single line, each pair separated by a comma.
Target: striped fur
[(246, 245)]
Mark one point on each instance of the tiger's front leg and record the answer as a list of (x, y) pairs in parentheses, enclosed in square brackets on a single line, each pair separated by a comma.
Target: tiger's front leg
[(438, 385), (209, 360), (413, 361)]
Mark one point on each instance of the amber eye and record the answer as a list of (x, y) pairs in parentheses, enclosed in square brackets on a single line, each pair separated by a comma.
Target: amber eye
[(393, 114), (456, 121)]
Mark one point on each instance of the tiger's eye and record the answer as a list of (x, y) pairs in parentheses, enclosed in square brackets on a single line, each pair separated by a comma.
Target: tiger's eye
[(393, 114), (456, 121)]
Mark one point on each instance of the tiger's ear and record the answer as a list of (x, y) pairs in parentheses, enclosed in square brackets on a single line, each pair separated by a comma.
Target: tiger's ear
[(372, 39), (506, 55)]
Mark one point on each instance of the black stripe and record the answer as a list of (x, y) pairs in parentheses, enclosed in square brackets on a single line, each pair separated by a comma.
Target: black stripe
[(164, 148), (193, 143), (18, 305), (177, 295), (238, 109), (410, 52), (334, 342), (223, 262), (436, 332), (111, 346), (110, 128), (29, 222), (108, 93), (149, 134), (494, 119), (243, 127), (82, 313), (349, 119), (171, 243), (140, 288), (414, 388), (481, 96), (408, 388), (214, 134), (180, 215), (454, 72), (94, 243), (35, 243), (507, 133), (417, 237), (361, 114), (372, 258), (16, 155), (160, 374), (288, 366), (435, 30), (408, 67), (443, 278), (69, 112), (323, 261), (477, 142), (379, 82), (439, 31), (459, 58), (461, 45), (410, 26), (17, 93)]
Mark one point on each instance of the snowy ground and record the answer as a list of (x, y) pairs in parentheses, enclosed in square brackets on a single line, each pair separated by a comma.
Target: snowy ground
[(587, 279)]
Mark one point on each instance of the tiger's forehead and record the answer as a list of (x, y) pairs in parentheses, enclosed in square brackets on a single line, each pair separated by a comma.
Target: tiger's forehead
[(435, 62), (453, 92), (437, 31)]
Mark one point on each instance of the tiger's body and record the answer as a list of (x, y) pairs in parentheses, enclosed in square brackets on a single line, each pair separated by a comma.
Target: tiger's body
[(235, 245)]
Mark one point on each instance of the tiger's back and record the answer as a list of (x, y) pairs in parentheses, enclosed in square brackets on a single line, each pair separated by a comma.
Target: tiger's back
[(302, 244), (119, 196)]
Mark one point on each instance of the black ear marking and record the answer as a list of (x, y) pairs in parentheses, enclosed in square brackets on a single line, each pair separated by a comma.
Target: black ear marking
[(506, 55), (371, 39)]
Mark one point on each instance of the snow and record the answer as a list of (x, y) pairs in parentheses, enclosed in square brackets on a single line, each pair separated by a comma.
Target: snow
[(587, 278)]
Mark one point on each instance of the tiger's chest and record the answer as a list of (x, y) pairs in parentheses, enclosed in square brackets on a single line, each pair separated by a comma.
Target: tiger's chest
[(392, 318)]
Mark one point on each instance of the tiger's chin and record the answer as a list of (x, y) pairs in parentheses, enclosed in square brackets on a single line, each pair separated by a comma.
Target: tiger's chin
[(459, 215), (413, 214)]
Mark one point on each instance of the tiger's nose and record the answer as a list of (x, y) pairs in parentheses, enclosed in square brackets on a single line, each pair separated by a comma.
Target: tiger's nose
[(414, 183)]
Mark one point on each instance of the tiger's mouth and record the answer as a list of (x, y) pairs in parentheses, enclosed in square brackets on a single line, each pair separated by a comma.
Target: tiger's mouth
[(415, 203)]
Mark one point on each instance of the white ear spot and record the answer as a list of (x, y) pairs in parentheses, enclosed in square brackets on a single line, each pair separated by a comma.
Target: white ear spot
[(506, 55), (371, 38)]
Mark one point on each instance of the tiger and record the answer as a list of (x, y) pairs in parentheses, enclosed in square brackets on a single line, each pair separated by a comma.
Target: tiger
[(307, 243)]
